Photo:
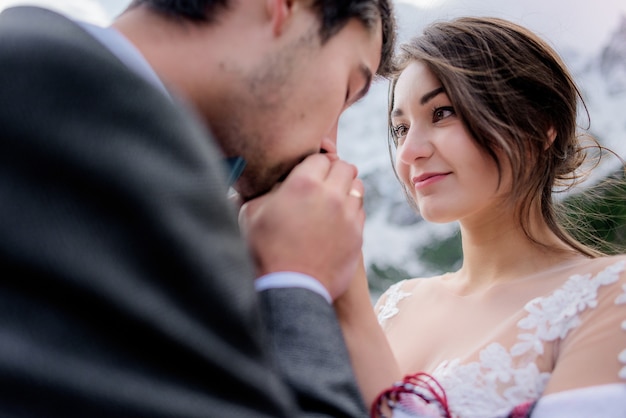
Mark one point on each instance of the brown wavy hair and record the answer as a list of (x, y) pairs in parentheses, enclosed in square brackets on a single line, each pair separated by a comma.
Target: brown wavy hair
[(333, 15), (510, 88)]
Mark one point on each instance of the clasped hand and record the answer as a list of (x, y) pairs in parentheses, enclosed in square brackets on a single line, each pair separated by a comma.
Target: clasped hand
[(312, 223)]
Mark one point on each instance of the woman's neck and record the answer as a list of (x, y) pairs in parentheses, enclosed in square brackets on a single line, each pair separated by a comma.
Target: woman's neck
[(499, 250)]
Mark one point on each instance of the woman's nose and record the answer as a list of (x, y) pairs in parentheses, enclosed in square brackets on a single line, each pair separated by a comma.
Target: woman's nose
[(416, 145)]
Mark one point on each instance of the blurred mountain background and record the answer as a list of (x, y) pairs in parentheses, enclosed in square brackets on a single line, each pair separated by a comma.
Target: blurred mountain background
[(398, 243), (591, 38)]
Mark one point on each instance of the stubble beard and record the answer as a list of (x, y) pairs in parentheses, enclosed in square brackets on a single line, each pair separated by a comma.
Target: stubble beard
[(252, 128), (248, 133)]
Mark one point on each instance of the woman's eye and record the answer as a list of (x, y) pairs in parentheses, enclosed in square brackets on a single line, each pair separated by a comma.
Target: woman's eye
[(399, 131), (442, 113)]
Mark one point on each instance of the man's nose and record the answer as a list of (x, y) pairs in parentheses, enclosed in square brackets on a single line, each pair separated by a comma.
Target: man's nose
[(332, 134), (329, 143)]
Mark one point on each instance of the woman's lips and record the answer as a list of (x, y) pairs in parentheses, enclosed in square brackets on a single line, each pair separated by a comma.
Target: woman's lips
[(427, 179)]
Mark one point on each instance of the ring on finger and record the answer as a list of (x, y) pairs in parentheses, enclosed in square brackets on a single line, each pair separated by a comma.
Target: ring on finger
[(356, 193)]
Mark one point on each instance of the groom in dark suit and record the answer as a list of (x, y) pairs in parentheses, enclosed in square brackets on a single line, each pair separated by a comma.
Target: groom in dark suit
[(126, 288)]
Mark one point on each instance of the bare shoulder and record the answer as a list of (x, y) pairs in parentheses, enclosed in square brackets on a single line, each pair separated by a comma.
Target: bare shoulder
[(594, 308), (612, 270), (407, 287), (609, 259), (608, 269), (396, 291), (608, 272), (388, 305), (613, 265)]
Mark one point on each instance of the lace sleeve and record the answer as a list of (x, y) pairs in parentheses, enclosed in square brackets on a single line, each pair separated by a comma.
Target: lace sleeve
[(594, 353), (387, 305)]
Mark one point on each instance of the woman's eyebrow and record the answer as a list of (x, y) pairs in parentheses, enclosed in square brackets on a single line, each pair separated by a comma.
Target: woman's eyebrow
[(425, 99), (430, 95)]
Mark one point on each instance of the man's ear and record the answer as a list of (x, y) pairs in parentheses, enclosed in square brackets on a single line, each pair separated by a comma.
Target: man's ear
[(279, 12)]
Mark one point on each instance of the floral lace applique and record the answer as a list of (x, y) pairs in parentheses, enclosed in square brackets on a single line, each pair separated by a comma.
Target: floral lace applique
[(554, 316), (394, 295), (495, 384), (503, 379), (621, 300)]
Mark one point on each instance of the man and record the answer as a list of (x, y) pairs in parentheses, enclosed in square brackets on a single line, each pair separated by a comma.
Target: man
[(127, 290)]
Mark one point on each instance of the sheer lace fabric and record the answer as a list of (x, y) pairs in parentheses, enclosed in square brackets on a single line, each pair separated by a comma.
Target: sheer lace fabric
[(508, 346)]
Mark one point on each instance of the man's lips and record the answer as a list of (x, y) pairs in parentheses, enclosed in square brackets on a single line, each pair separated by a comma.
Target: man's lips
[(427, 179)]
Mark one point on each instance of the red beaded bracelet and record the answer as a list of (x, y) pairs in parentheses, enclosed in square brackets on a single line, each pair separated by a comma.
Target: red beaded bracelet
[(418, 394)]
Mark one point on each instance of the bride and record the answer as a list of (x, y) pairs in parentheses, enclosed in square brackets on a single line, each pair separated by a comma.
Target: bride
[(483, 129)]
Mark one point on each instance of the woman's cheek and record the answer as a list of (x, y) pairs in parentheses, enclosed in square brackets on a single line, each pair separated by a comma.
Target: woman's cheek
[(403, 173)]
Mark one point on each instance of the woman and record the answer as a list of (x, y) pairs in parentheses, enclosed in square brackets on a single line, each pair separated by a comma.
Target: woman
[(483, 128)]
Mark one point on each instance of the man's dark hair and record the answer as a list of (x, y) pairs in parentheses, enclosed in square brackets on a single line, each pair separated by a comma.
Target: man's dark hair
[(333, 16)]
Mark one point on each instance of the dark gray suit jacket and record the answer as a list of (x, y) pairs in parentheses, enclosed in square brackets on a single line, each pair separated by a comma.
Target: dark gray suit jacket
[(125, 287)]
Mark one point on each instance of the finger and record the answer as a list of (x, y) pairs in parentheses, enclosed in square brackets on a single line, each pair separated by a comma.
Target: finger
[(249, 209), (329, 148), (357, 188), (342, 175), (356, 192), (331, 157), (245, 212), (315, 166)]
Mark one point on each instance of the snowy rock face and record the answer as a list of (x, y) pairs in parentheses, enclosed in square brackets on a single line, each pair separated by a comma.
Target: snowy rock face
[(395, 235), (613, 61)]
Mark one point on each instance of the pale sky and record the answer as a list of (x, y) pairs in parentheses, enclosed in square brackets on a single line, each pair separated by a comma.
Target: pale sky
[(585, 24), (94, 11)]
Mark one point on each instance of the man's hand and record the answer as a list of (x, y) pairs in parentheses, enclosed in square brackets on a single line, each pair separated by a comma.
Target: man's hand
[(312, 223)]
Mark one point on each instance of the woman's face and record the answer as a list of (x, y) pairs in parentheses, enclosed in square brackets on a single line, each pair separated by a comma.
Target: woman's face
[(449, 177)]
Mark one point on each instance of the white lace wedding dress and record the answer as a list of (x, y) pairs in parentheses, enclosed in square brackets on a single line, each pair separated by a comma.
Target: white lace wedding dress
[(511, 344)]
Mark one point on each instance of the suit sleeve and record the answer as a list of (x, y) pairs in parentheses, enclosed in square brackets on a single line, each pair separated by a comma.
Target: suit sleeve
[(126, 289), (310, 352)]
